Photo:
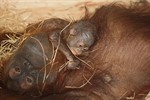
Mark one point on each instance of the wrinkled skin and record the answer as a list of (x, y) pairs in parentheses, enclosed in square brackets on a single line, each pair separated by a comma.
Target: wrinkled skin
[(76, 43), (81, 37), (25, 65)]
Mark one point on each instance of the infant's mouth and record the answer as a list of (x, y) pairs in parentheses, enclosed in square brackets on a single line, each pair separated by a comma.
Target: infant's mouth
[(76, 51)]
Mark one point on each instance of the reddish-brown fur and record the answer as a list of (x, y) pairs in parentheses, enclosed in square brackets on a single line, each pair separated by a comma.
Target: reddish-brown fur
[(122, 53)]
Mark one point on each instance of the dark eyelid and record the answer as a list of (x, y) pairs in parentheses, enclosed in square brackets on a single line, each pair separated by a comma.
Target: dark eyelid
[(29, 79), (31, 65)]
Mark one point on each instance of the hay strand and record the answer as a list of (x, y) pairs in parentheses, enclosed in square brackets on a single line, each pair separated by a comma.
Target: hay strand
[(55, 52), (7, 46), (87, 81)]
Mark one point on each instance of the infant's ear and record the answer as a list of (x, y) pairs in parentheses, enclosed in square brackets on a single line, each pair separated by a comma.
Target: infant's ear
[(73, 32)]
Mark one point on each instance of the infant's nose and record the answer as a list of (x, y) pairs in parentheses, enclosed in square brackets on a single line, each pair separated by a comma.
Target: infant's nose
[(85, 49)]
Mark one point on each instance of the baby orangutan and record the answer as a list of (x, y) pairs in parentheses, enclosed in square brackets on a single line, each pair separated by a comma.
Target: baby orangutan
[(26, 66), (80, 39)]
